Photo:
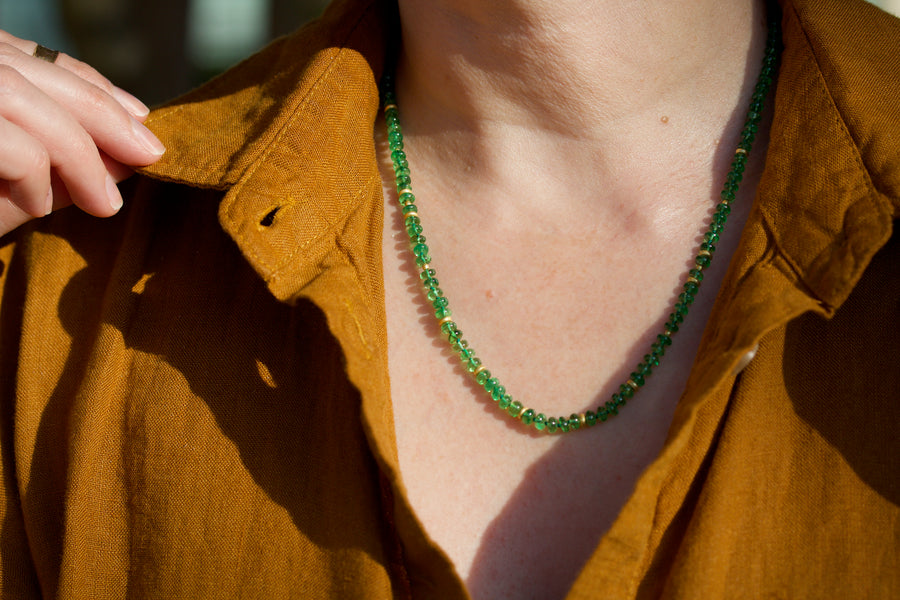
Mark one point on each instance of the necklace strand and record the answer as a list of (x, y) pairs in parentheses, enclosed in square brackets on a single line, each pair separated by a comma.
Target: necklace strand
[(626, 391)]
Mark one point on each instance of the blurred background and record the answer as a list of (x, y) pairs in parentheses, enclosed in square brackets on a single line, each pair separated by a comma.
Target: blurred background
[(157, 49)]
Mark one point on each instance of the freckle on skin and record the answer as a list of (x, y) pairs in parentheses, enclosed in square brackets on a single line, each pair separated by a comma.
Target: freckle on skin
[(488, 294), (664, 119)]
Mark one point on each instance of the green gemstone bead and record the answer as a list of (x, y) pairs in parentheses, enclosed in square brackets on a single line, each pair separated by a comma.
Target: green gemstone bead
[(442, 313), (420, 250), (563, 424), (528, 417), (515, 408), (672, 325), (498, 392), (402, 181), (540, 421), (651, 360), (702, 261), (723, 209), (590, 418), (574, 422), (474, 363), (551, 425), (434, 293), (448, 327), (637, 376), (483, 377), (398, 156), (645, 369), (602, 414), (612, 407), (664, 339), (504, 402), (395, 136), (727, 196), (686, 298), (410, 208), (625, 391), (691, 288), (414, 229), (682, 309), (407, 198), (711, 238)]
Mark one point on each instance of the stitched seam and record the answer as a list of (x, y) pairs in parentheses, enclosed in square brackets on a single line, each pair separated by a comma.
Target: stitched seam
[(338, 58), (848, 138)]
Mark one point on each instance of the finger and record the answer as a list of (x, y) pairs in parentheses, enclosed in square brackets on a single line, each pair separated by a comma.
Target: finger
[(25, 166), (117, 170), (83, 70), (11, 216), (112, 127), (71, 150)]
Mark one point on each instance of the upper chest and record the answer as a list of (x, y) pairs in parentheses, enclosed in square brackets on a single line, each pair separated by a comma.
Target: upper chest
[(519, 513)]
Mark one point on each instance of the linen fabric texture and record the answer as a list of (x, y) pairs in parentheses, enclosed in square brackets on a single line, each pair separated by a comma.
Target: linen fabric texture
[(194, 395)]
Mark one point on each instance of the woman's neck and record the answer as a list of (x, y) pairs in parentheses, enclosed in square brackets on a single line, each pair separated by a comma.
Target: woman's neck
[(558, 105), (582, 69)]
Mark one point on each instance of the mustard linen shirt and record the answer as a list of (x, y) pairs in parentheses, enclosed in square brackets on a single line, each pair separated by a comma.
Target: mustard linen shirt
[(194, 395)]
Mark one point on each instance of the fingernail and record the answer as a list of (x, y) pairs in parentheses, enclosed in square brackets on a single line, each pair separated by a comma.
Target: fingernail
[(131, 104), (115, 198), (147, 139), (48, 202)]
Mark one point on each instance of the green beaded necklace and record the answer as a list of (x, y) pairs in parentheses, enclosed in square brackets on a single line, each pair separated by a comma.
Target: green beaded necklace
[(473, 365)]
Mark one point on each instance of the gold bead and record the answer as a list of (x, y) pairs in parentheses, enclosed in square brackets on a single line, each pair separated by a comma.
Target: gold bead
[(446, 319), (480, 367), (410, 214), (404, 191), (667, 333), (582, 418), (740, 151), (388, 107), (693, 280), (703, 253), (522, 412), (632, 384)]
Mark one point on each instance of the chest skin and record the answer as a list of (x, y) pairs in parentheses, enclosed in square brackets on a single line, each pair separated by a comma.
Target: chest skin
[(518, 513)]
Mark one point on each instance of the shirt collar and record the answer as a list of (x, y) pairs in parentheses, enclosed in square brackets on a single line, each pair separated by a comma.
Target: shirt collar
[(288, 135)]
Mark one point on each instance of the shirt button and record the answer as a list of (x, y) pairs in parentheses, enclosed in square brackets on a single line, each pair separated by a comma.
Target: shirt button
[(745, 360)]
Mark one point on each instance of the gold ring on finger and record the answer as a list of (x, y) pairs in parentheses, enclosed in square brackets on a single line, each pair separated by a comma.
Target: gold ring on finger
[(45, 53)]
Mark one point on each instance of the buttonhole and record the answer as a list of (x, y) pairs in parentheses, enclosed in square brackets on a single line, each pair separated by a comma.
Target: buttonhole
[(269, 219)]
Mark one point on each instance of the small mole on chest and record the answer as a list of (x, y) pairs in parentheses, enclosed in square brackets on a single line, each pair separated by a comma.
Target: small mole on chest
[(489, 294)]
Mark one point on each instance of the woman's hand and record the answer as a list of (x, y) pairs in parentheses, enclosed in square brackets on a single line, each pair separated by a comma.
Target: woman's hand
[(67, 135)]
